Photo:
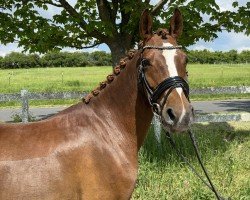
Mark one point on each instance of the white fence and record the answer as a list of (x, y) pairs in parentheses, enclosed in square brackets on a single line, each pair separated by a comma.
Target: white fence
[(25, 96)]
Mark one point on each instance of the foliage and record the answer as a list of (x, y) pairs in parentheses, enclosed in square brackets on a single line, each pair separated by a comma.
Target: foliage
[(65, 59), (55, 59), (101, 58), (209, 57), (17, 118), (84, 24), (19, 60)]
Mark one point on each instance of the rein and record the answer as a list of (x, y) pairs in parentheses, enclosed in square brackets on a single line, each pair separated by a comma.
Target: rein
[(197, 153), (154, 94)]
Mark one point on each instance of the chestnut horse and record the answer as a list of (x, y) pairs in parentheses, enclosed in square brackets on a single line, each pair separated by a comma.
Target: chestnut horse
[(89, 151)]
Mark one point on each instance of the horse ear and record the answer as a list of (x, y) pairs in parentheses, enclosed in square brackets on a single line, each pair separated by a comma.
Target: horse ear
[(145, 24), (176, 24)]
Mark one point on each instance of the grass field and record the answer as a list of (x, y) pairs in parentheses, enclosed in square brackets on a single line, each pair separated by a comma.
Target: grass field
[(52, 79), (219, 75), (87, 78), (225, 149)]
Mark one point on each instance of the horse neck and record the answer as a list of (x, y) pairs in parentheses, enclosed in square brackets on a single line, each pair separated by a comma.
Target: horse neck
[(126, 103)]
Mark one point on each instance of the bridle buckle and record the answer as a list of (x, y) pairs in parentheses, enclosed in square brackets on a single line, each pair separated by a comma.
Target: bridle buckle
[(156, 108)]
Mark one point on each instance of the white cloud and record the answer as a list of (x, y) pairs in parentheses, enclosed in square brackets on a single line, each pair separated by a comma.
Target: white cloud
[(6, 49), (95, 49), (201, 47), (237, 39), (52, 10), (243, 49), (225, 42), (2, 53), (227, 4), (102, 47)]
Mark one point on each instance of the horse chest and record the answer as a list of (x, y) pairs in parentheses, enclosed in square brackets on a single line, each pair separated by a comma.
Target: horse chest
[(107, 174)]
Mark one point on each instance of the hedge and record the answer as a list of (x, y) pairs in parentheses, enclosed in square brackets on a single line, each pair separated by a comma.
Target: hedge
[(100, 58)]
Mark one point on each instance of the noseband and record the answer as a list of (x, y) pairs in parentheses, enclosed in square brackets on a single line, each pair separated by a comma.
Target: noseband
[(168, 84)]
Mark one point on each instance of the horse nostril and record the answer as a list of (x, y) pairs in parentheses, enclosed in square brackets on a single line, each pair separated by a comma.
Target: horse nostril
[(171, 114)]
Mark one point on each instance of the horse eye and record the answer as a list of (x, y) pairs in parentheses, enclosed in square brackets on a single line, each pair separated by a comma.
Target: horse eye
[(145, 62)]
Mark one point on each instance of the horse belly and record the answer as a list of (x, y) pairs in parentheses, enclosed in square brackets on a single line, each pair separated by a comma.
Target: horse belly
[(39, 178)]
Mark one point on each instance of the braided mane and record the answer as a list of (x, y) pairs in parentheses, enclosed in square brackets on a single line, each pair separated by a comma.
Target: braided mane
[(116, 71)]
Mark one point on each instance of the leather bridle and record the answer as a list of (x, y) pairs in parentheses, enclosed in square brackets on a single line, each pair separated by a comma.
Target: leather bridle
[(168, 84), (153, 96)]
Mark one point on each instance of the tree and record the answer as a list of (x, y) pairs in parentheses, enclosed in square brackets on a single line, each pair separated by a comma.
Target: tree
[(82, 24), (65, 59), (100, 58), (20, 60)]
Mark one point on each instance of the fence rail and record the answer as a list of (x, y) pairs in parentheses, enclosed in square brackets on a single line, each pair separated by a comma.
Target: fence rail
[(42, 96), (75, 95), (25, 96)]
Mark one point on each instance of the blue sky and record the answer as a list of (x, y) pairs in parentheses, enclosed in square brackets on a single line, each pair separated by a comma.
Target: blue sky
[(225, 41)]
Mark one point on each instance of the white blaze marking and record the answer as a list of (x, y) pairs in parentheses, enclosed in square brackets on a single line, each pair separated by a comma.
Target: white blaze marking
[(169, 57)]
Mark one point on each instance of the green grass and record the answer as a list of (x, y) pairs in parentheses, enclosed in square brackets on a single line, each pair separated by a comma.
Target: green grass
[(52, 79), (40, 103), (87, 78), (225, 149), (208, 75)]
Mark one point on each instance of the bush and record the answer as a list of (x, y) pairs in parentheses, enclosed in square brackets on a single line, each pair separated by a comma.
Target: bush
[(53, 59), (209, 57), (17, 118), (77, 59), (101, 58), (20, 60)]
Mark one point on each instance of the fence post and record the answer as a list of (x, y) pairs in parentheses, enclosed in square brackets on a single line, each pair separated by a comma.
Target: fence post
[(25, 106), (157, 128)]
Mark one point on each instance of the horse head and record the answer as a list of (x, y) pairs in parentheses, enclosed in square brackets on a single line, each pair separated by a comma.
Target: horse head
[(162, 72)]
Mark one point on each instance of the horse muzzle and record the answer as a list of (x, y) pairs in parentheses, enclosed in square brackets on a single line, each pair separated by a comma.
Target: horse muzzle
[(176, 119)]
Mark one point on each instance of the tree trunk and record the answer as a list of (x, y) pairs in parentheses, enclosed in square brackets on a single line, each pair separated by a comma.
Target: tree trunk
[(117, 52), (118, 47)]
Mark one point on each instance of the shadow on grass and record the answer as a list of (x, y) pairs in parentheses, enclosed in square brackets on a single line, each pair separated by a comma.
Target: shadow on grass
[(212, 138)]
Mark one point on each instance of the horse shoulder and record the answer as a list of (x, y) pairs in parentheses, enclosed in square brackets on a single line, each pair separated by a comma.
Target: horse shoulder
[(105, 172), (105, 162)]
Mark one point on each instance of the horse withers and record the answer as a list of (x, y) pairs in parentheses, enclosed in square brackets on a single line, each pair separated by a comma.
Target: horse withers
[(89, 151)]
